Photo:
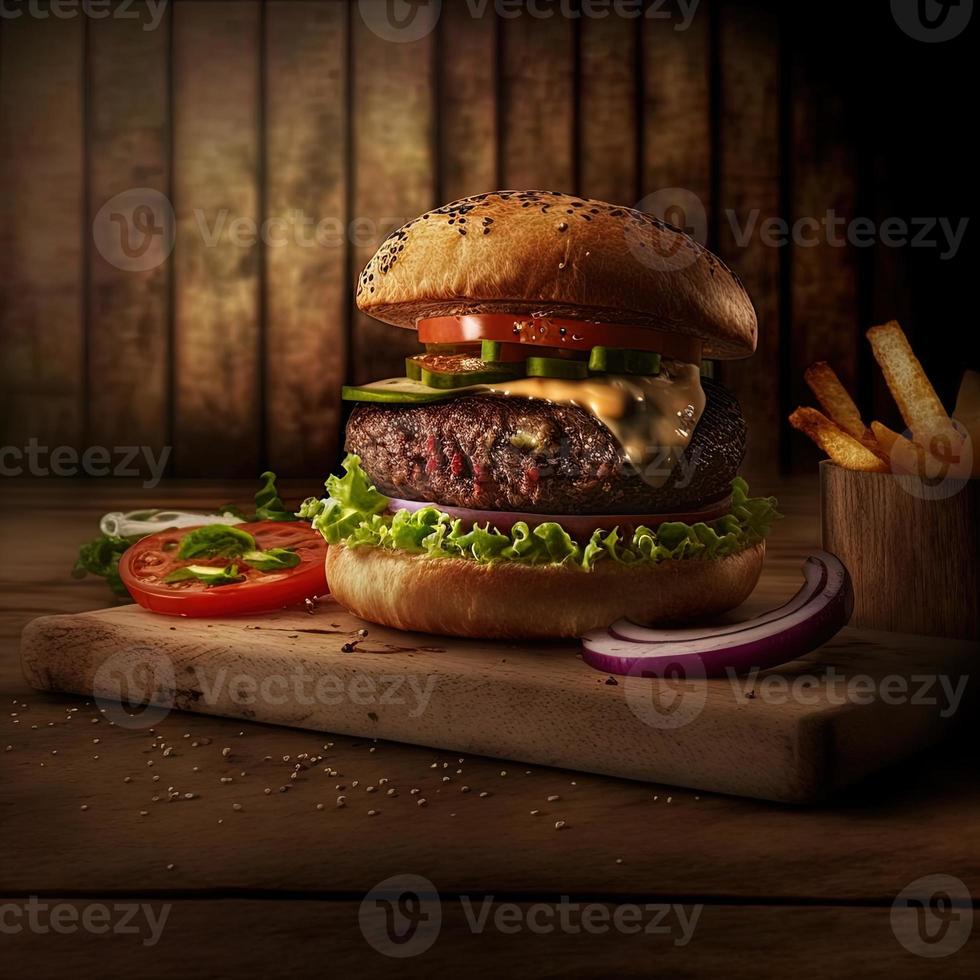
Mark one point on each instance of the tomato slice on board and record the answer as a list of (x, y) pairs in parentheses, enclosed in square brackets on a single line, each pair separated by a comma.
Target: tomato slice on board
[(144, 566)]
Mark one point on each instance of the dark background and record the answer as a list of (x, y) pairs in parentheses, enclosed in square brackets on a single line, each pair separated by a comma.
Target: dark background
[(234, 354)]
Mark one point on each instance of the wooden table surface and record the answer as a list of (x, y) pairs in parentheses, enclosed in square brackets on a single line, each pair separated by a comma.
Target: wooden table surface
[(255, 879)]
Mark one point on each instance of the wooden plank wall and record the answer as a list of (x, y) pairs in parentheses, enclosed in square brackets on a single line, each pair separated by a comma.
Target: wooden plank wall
[(231, 348)]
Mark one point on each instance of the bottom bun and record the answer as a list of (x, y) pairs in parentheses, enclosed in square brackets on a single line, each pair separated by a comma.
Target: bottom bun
[(509, 600)]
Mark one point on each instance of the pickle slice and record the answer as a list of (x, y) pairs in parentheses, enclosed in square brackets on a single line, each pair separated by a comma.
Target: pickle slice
[(463, 370), (621, 360), (413, 367), (404, 391), (556, 367)]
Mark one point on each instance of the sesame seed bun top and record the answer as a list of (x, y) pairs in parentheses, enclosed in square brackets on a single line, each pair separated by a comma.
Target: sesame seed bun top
[(527, 252)]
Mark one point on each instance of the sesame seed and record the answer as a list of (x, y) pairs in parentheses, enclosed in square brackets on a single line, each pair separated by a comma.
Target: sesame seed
[(464, 789), (484, 794), (392, 792), (226, 751), (341, 802), (319, 806), (227, 779), (143, 813), (503, 772), (560, 825), (84, 806), (236, 806), (128, 779), (372, 813), (554, 797), (267, 790)]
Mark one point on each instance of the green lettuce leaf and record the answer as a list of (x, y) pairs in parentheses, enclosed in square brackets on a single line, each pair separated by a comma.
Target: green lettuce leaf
[(354, 513)]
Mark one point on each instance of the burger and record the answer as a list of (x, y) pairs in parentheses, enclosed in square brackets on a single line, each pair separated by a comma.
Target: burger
[(555, 456)]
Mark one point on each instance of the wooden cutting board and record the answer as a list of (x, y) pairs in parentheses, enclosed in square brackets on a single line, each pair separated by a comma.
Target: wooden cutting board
[(795, 734)]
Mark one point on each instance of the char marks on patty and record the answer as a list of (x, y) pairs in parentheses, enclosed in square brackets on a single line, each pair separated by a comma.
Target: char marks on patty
[(494, 452)]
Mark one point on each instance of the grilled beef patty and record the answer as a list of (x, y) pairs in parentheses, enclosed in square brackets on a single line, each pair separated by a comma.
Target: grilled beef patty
[(495, 452)]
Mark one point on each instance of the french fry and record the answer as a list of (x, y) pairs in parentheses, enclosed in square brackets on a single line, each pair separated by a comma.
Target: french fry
[(837, 403), (916, 398), (842, 448), (905, 456)]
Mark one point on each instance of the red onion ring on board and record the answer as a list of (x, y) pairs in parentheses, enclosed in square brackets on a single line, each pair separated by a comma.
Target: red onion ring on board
[(757, 644)]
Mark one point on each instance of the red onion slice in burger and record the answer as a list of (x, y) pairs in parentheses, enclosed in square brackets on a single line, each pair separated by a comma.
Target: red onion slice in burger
[(760, 645), (579, 526)]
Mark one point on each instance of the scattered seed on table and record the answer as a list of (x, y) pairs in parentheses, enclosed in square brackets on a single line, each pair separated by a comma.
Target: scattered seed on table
[(560, 825), (84, 806), (464, 789), (226, 751), (503, 772), (534, 813), (553, 798), (373, 813), (226, 779), (392, 792), (484, 794), (236, 806), (128, 779), (319, 806), (421, 801), (143, 813)]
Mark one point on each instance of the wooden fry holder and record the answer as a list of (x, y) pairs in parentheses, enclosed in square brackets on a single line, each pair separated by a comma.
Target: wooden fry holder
[(912, 552)]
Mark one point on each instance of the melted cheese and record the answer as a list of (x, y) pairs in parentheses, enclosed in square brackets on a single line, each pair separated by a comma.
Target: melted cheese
[(652, 417)]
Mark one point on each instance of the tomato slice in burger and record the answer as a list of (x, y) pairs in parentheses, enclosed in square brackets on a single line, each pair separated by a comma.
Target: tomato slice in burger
[(148, 571)]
